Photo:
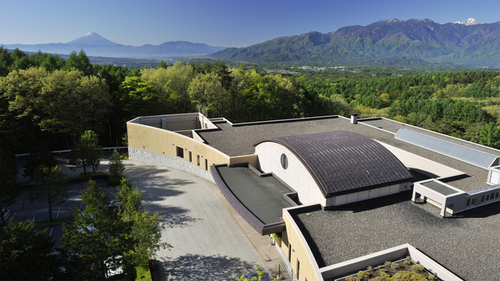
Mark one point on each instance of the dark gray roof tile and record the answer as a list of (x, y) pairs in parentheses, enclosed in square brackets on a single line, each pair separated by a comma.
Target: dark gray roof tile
[(345, 161)]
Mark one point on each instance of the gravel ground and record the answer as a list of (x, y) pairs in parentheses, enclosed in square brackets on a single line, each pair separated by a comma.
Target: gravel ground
[(468, 245)]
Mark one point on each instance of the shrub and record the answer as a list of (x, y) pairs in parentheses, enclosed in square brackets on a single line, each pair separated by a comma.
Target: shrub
[(417, 267), (395, 265), (362, 274), (116, 167)]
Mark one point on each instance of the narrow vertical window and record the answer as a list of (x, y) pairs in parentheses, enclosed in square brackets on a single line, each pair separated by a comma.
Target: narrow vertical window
[(298, 268), (290, 252)]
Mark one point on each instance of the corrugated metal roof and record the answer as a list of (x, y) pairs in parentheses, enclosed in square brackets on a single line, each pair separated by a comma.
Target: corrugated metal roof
[(466, 154), (343, 161)]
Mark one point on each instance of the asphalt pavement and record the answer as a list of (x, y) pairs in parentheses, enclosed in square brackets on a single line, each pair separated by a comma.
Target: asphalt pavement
[(210, 240)]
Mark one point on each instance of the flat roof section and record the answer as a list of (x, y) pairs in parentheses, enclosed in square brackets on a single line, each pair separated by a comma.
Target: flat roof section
[(261, 196), (394, 127), (237, 139), (466, 154), (358, 229), (438, 187)]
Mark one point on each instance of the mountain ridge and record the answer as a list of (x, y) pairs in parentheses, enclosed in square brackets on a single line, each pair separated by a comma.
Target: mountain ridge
[(450, 43), (95, 45)]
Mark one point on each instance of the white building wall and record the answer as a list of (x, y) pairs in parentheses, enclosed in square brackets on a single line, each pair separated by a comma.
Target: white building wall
[(365, 195), (296, 175)]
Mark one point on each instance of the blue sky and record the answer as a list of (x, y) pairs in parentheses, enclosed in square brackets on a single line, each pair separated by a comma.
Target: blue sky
[(230, 23)]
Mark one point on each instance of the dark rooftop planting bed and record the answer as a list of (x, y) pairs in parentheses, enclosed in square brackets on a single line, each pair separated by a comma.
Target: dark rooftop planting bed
[(399, 270)]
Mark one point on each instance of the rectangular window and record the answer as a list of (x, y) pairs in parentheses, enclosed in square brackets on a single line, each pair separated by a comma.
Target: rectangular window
[(482, 198), (496, 195), (473, 202), (487, 197), (206, 164), (180, 151), (468, 202), (298, 269), (190, 157), (290, 252), (198, 159)]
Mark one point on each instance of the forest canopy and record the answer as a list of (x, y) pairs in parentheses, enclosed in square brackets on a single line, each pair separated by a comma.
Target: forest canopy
[(52, 100)]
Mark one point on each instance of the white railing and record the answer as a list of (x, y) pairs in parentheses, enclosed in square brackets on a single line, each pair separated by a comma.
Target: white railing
[(69, 150), (287, 264)]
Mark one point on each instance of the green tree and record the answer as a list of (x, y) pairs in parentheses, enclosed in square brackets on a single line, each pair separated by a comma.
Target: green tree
[(87, 152), (51, 185), (174, 83), (207, 89), (26, 254), (162, 64), (9, 188), (79, 62), (260, 275), (5, 61), (92, 237), (489, 135), (73, 103), (144, 232), (37, 157), (116, 168), (19, 112), (138, 97)]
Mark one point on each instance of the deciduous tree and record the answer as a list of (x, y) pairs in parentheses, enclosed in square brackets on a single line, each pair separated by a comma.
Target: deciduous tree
[(93, 237), (9, 188), (144, 230), (87, 152), (26, 254)]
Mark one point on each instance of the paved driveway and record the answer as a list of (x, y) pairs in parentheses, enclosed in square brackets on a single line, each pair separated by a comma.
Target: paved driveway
[(208, 244)]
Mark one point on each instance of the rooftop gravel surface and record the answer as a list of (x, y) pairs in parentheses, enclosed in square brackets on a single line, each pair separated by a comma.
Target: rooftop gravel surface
[(468, 244)]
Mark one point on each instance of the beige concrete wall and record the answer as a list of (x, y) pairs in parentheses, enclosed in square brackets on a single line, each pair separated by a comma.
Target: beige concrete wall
[(165, 143), (252, 159), (367, 194), (300, 251)]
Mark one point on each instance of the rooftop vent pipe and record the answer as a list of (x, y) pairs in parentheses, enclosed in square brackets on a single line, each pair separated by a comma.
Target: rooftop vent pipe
[(354, 118)]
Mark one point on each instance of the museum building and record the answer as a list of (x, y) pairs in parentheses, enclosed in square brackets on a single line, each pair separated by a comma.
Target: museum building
[(314, 182)]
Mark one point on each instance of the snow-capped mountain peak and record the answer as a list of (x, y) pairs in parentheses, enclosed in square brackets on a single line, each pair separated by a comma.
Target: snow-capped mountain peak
[(93, 38), (469, 21)]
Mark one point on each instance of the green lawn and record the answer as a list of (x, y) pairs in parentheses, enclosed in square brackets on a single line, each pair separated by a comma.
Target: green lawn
[(143, 273)]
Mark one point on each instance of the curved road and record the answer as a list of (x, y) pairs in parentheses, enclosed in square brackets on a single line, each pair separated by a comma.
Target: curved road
[(207, 243)]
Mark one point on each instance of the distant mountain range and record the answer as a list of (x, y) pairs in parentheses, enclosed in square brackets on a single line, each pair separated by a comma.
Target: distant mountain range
[(386, 42), (95, 45)]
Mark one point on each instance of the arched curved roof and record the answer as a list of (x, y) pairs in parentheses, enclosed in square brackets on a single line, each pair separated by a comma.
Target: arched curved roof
[(342, 162)]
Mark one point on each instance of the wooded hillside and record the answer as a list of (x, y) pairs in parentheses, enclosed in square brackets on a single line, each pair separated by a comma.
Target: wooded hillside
[(46, 101)]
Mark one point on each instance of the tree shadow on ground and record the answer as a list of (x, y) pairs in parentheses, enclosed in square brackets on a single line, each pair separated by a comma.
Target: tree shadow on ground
[(198, 267), (172, 217)]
